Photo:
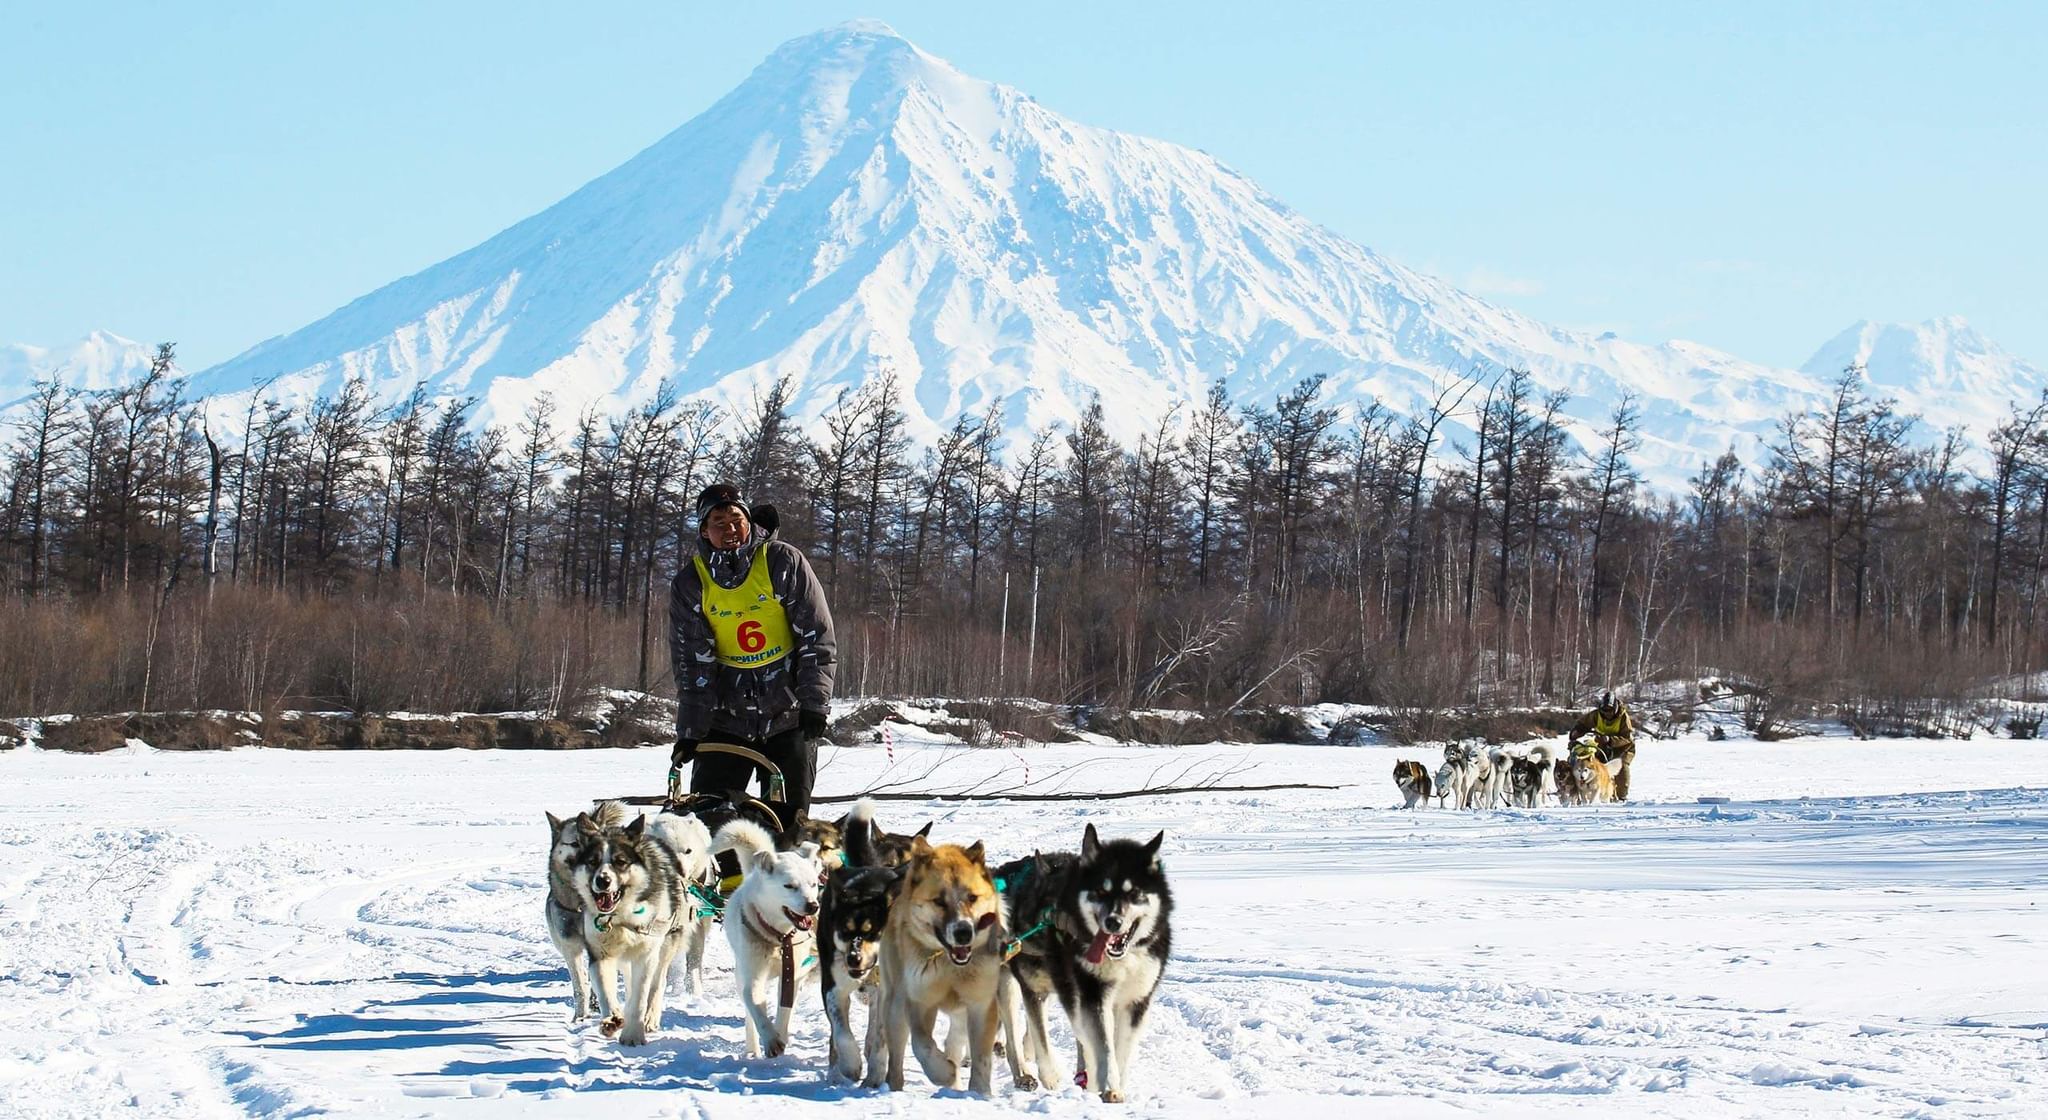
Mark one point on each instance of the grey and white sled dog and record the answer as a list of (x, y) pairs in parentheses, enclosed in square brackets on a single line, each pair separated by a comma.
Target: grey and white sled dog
[(1530, 776), (1457, 777), (565, 907), (1475, 778), (769, 920), (1094, 928), (627, 910)]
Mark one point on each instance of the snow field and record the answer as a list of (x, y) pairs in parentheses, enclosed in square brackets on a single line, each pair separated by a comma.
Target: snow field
[(274, 934)]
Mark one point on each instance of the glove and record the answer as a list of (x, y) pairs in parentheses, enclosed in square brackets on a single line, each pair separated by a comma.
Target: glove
[(686, 750), (813, 724)]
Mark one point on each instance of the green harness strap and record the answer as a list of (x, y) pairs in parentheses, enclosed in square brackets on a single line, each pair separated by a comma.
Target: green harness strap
[(710, 904), (1015, 945)]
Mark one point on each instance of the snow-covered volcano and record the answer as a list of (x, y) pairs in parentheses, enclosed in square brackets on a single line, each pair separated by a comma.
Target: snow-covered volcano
[(100, 360), (857, 204), (1942, 370)]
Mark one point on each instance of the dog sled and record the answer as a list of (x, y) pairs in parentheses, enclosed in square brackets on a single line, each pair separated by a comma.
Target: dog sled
[(772, 812)]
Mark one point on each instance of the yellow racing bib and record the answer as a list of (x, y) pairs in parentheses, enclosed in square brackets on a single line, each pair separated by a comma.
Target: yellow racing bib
[(749, 628)]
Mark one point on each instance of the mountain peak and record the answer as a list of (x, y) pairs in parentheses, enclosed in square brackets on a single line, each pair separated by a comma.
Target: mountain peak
[(1943, 369), (857, 205)]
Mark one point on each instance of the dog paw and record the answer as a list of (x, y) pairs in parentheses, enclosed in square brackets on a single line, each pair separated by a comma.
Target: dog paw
[(610, 1027), (999, 1052), (1025, 1082), (1112, 1096), (775, 1048), (635, 1034)]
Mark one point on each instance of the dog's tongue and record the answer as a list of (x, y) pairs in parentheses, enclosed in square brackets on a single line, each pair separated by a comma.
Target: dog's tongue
[(605, 902), (1097, 947)]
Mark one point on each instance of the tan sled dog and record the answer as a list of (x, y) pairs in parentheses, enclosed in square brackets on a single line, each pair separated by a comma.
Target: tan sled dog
[(1590, 781), (941, 951)]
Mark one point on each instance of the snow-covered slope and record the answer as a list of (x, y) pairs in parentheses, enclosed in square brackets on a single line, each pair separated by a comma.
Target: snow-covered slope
[(100, 360), (1941, 369)]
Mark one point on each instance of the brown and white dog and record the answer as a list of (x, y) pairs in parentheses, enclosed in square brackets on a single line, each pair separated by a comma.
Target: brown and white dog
[(941, 952), (1412, 779), (1583, 779)]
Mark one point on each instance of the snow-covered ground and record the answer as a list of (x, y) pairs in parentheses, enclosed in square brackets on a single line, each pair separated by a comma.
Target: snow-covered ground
[(1858, 932)]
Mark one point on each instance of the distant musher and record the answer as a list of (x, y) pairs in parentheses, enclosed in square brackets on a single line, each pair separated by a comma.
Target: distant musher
[(1613, 735)]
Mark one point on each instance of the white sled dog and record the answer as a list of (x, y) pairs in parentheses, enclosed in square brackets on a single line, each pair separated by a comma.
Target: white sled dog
[(627, 911), (769, 921)]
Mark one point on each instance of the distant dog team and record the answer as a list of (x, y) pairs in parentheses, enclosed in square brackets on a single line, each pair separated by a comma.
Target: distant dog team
[(916, 930), (1472, 777)]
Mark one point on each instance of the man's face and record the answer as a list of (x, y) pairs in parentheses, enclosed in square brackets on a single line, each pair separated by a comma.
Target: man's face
[(726, 528)]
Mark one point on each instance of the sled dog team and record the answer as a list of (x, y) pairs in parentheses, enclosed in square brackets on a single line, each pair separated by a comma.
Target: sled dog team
[(1503, 777), (910, 928)]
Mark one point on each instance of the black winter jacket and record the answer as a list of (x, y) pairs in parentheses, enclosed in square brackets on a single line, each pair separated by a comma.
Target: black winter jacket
[(752, 703)]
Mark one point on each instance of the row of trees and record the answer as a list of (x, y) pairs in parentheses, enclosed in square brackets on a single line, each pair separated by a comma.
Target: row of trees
[(1475, 552)]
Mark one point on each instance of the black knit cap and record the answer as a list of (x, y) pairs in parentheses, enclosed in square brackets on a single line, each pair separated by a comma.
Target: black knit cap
[(721, 494)]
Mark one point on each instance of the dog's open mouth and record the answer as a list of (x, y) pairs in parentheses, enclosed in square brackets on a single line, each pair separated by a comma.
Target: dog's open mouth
[(800, 921), (605, 901), (961, 954), (1111, 944)]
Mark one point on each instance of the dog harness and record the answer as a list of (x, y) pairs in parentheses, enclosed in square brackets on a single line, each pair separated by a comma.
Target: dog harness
[(1013, 945), (787, 942), (749, 627)]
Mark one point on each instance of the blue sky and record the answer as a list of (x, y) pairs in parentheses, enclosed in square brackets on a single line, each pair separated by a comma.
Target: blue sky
[(1751, 176)]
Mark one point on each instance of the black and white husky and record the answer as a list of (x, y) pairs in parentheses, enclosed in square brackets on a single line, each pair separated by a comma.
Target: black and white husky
[(627, 911), (1095, 929), (768, 920), (852, 914), (1529, 776)]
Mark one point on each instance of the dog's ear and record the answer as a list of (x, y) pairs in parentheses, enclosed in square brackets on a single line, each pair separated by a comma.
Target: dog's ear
[(554, 824), (1152, 845), (927, 829), (763, 861), (978, 854), (1090, 845), (638, 828), (920, 847)]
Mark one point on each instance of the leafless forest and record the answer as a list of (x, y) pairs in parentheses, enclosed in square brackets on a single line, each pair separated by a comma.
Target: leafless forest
[(340, 556)]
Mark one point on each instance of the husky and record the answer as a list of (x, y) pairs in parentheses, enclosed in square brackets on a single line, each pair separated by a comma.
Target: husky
[(1457, 778), (1491, 791), (769, 920), (941, 952), (1412, 779), (1098, 933), (564, 907), (851, 916), (630, 886), (1529, 776)]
